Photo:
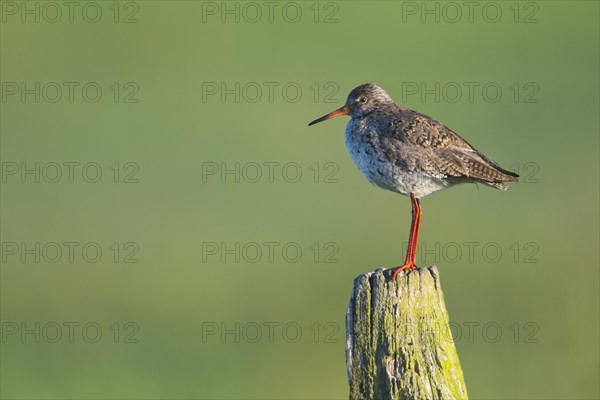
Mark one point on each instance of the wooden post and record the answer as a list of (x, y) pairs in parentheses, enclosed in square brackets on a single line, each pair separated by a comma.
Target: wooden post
[(398, 341)]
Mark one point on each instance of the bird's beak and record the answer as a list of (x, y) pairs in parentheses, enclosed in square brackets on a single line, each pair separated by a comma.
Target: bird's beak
[(340, 111)]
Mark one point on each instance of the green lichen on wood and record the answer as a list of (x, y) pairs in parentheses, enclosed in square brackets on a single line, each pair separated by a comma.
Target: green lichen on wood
[(398, 341)]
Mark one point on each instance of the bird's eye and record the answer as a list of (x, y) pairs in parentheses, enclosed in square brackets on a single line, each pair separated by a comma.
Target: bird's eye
[(362, 100)]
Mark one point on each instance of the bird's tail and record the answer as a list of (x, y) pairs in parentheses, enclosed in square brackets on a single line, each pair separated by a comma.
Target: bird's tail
[(497, 185), (506, 176)]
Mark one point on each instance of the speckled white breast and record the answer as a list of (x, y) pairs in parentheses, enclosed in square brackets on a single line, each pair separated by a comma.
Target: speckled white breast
[(367, 152)]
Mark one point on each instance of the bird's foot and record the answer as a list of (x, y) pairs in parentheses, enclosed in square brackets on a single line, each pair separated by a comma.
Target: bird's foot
[(408, 266)]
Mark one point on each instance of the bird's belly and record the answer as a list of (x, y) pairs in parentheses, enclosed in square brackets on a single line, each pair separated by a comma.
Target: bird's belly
[(418, 183), (382, 172)]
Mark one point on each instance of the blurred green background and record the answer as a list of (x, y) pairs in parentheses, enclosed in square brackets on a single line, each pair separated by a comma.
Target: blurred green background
[(179, 220)]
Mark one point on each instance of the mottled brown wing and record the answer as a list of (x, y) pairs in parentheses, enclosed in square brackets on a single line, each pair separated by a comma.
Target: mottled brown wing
[(432, 147)]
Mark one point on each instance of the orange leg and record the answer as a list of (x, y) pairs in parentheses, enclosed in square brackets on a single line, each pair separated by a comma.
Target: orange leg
[(411, 252)]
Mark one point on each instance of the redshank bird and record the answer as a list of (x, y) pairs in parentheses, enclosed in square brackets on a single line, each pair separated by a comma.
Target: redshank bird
[(410, 153)]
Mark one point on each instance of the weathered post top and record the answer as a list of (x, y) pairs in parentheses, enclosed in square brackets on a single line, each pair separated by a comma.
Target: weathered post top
[(398, 341)]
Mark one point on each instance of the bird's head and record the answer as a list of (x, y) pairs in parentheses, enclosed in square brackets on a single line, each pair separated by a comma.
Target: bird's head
[(361, 101)]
